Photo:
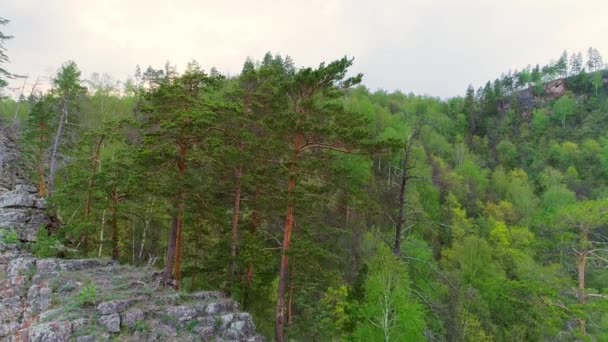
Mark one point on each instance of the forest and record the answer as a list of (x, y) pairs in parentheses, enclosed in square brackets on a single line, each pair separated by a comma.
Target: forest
[(332, 212)]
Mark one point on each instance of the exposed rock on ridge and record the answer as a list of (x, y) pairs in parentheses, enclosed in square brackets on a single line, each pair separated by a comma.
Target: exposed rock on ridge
[(96, 300), (21, 210)]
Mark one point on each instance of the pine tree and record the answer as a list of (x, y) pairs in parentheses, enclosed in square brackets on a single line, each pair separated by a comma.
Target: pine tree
[(4, 74), (67, 88), (316, 121), (180, 115)]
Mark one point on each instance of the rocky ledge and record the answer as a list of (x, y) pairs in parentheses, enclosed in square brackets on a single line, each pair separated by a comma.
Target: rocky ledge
[(97, 300), (21, 210)]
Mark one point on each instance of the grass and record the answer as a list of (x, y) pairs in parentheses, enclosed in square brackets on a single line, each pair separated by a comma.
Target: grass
[(8, 236)]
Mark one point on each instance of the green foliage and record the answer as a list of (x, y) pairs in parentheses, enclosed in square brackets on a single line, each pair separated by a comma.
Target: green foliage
[(388, 312), (337, 313), (8, 236), (47, 246), (87, 295), (563, 108), (4, 74)]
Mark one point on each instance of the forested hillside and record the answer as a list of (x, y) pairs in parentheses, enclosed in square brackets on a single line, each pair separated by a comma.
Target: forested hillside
[(333, 212)]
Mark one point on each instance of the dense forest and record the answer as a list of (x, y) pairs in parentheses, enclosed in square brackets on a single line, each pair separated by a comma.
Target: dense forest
[(333, 212)]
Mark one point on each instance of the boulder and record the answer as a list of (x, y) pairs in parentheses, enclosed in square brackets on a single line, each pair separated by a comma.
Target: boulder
[(130, 318), (50, 332), (110, 322)]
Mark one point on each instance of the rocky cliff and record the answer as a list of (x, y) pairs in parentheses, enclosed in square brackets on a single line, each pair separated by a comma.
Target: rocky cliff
[(92, 300), (20, 208)]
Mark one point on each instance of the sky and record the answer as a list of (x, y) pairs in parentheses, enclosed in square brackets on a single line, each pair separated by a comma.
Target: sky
[(428, 47)]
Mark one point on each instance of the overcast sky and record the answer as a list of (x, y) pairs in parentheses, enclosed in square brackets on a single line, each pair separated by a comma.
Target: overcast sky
[(426, 47)]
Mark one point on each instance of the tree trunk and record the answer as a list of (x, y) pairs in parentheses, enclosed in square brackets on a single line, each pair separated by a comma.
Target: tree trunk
[(581, 266), (133, 243), (235, 222), (255, 221), (290, 303), (289, 219), (193, 279), (405, 168), (40, 168), (56, 143), (96, 156), (181, 166), (143, 240), (103, 223), (171, 249), (147, 219), (114, 210)]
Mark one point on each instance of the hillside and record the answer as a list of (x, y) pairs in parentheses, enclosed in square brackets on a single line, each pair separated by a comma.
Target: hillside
[(329, 211)]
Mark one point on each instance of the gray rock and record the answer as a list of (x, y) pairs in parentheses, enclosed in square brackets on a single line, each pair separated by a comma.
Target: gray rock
[(180, 314), (110, 322), (114, 306), (206, 295), (45, 298), (84, 264), (93, 338), (131, 318), (47, 266), (24, 188), (50, 332), (16, 199), (79, 323), (21, 266)]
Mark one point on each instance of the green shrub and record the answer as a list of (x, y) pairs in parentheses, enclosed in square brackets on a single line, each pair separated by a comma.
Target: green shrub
[(46, 246), (8, 236), (87, 295)]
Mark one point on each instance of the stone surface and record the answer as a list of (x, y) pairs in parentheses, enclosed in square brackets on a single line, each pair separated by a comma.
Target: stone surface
[(50, 332), (112, 307), (130, 318), (110, 322), (21, 210)]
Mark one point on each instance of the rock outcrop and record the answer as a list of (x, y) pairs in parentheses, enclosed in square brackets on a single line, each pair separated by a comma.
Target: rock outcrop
[(96, 300), (21, 210), (54, 300)]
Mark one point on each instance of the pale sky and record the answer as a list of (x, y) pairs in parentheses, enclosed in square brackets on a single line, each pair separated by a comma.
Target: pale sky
[(433, 47)]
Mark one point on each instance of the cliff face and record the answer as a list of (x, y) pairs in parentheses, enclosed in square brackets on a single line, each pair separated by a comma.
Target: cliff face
[(92, 300), (20, 208)]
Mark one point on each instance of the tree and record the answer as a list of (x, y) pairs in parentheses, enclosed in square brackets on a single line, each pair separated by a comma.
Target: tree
[(181, 115), (36, 137), (597, 81), (564, 107), (594, 59), (536, 79), (405, 174), (562, 65), (67, 87), (524, 77), (4, 74), (576, 64), (258, 93), (583, 222), (387, 311), (316, 121), (470, 110)]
